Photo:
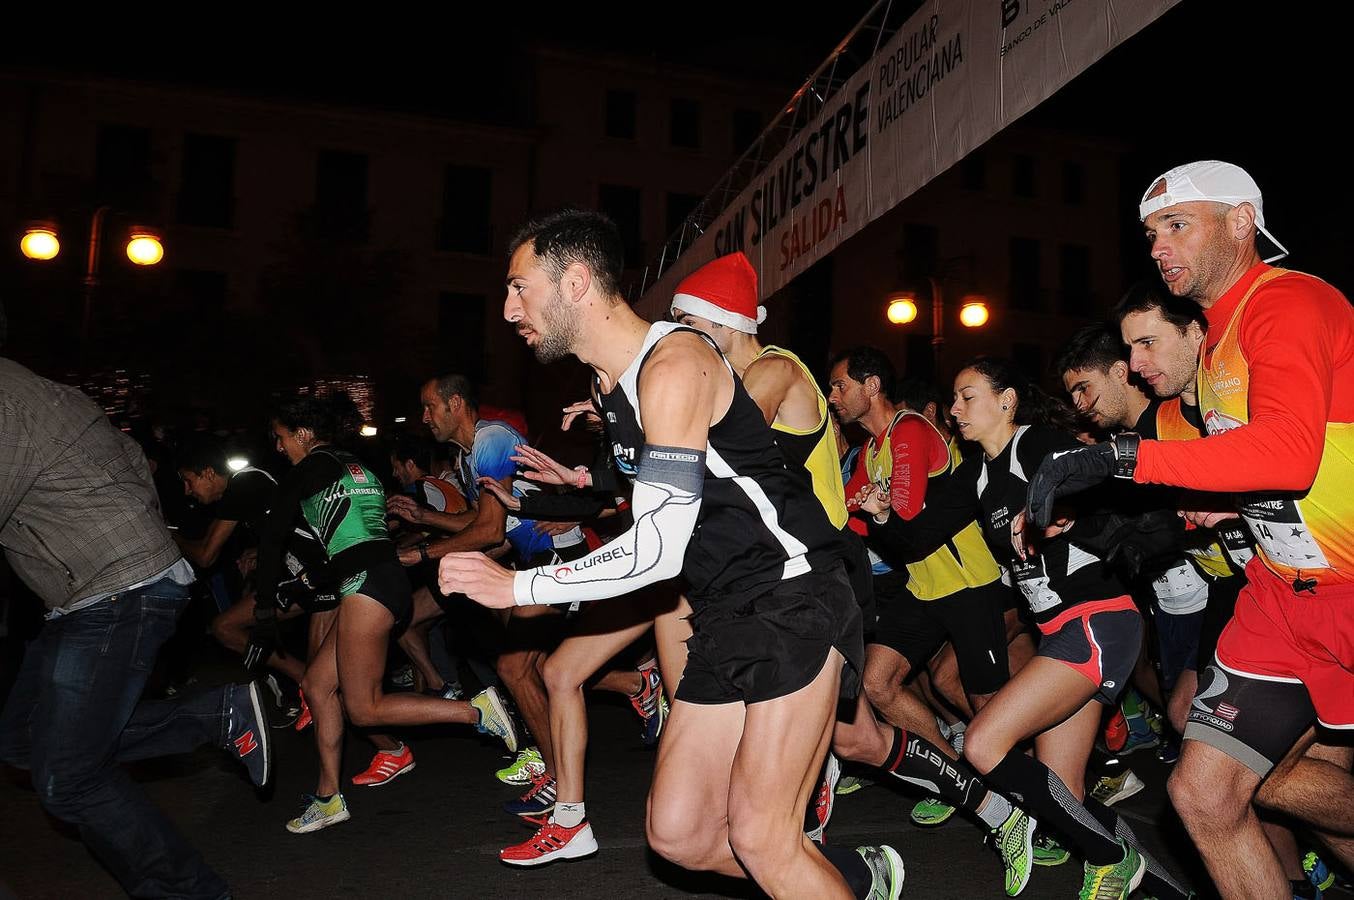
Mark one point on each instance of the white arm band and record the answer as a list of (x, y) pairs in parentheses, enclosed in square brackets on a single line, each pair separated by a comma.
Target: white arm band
[(665, 504)]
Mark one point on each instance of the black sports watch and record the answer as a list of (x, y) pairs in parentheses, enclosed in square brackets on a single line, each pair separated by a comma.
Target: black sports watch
[(422, 550), (1126, 453)]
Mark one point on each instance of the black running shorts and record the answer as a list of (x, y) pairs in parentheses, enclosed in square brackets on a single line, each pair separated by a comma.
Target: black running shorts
[(972, 619)]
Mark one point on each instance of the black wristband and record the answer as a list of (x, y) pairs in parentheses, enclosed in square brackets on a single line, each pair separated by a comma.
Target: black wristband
[(1126, 454), (422, 550)]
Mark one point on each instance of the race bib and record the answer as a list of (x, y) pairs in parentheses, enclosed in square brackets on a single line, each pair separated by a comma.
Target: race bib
[(1034, 584), (1279, 529)]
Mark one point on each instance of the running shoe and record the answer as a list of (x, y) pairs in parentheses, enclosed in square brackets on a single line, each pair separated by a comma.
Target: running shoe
[(650, 705), (1317, 872), (525, 768), (827, 794), (1116, 881), (1169, 751), (247, 734), (319, 814), (1115, 733), (1303, 889), (886, 870), (1014, 840), (956, 738), (931, 812), (303, 720), (552, 842), (386, 767), (402, 679), (1110, 789), (450, 690), (539, 799), (1048, 852), (494, 717), (849, 784)]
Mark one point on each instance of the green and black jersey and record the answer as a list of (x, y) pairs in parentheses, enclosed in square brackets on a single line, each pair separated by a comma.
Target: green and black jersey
[(343, 504)]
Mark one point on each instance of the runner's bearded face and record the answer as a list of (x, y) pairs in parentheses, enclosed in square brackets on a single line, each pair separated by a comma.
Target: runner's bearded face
[(1192, 249), (536, 305), (1166, 359)]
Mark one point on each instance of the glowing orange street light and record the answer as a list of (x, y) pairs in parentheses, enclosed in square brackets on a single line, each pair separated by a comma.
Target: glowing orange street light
[(902, 309), (39, 242), (973, 314), (144, 248)]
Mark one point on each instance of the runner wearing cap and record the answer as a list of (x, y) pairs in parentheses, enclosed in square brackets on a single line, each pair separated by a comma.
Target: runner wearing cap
[(1277, 395)]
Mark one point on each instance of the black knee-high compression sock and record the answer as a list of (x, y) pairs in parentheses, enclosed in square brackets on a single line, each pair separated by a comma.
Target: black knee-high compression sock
[(917, 761), (1045, 796), (853, 868), (1155, 880)]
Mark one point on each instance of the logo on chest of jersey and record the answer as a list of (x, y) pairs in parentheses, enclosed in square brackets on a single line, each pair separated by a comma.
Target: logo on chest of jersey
[(357, 472), (1216, 422)]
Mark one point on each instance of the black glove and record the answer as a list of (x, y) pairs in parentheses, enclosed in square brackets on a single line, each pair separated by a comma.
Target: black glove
[(264, 637), (1073, 471)]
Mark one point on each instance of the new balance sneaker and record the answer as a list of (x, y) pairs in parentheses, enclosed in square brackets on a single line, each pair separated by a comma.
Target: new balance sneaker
[(849, 784), (650, 705), (319, 814), (539, 799), (386, 767), (524, 769), (1116, 881), (1317, 872), (886, 870), (247, 734), (552, 842), (1048, 852), (931, 812), (1110, 789), (494, 717), (1014, 841), (303, 720), (827, 793)]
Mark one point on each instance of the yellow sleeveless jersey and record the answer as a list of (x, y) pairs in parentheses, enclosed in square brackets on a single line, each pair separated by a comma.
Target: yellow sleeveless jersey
[(965, 561), (1306, 538), (814, 449)]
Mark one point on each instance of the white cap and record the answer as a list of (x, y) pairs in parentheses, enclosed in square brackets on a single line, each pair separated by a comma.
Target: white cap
[(1211, 180)]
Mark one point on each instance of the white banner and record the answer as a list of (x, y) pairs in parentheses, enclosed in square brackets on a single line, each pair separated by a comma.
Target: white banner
[(954, 75)]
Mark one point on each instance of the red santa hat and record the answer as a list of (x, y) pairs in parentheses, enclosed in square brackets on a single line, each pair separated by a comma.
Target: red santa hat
[(723, 291)]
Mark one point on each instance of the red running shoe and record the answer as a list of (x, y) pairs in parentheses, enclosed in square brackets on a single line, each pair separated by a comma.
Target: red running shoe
[(385, 767), (303, 721), (1116, 732), (550, 843)]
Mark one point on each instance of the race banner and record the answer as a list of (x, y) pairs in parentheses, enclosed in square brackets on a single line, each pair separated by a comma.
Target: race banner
[(954, 75)]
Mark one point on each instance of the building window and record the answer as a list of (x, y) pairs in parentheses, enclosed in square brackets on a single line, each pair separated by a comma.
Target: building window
[(747, 127), (1023, 180), (1025, 288), (207, 194), (620, 114), (973, 172), (679, 207), (200, 294), (919, 257), (466, 199), (1074, 269), (685, 124), (622, 204), (1074, 183), (122, 168), (341, 196), (460, 333)]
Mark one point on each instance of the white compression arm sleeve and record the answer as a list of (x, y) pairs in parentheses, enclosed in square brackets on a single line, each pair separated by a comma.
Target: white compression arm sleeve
[(665, 504)]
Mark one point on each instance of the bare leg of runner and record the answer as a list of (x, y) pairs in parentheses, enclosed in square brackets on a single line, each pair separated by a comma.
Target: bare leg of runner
[(414, 640), (520, 670), (231, 630), (320, 685)]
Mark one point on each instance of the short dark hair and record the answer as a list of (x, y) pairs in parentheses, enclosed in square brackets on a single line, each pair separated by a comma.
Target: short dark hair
[(453, 385), (567, 236), (864, 361), (916, 392), (1096, 347), (1033, 405), (1145, 296), (199, 452), (413, 448)]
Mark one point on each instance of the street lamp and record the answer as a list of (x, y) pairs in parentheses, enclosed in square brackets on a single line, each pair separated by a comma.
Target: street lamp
[(903, 305), (143, 248)]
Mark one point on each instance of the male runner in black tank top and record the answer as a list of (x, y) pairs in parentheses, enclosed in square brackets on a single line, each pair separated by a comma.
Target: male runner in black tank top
[(774, 617)]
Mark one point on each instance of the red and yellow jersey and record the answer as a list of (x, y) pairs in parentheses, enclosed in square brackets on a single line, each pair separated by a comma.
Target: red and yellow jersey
[(1276, 389), (888, 460), (1172, 425)]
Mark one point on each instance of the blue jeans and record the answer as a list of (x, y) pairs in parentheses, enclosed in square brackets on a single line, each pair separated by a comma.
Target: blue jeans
[(74, 714)]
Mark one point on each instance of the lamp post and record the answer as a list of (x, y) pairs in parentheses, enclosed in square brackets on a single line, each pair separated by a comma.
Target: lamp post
[(902, 309), (144, 248)]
